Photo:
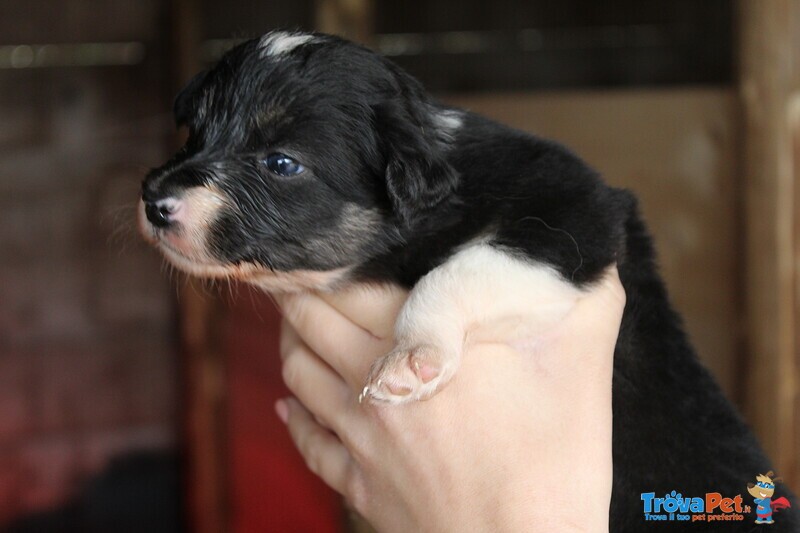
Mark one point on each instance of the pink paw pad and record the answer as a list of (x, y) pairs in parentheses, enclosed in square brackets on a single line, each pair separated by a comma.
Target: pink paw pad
[(426, 371), (411, 374)]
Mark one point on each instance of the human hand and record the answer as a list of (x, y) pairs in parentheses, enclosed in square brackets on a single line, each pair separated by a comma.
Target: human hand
[(519, 440)]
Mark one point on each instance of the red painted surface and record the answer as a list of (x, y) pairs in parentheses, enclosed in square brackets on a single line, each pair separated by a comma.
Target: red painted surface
[(271, 488)]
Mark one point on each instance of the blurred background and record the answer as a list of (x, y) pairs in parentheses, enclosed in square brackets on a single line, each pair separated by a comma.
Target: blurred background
[(132, 400)]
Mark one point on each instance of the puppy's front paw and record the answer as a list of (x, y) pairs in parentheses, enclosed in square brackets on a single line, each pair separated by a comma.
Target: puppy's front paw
[(408, 374)]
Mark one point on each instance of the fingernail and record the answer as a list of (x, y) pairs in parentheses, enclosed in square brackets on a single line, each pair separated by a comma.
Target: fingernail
[(282, 410)]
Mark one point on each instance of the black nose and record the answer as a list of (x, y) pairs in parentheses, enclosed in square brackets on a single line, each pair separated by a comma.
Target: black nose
[(158, 214)]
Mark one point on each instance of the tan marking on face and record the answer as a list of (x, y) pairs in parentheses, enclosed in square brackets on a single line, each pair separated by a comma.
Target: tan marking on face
[(200, 206), (185, 246), (354, 226), (355, 219), (272, 114), (188, 234), (296, 280), (258, 275)]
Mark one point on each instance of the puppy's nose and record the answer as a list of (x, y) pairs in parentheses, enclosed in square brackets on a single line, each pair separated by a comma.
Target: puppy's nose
[(161, 213)]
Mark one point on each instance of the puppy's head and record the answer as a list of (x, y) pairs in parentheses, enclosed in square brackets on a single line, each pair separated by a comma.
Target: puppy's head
[(307, 155)]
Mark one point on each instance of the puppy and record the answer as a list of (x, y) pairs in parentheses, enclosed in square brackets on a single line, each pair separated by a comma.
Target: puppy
[(312, 163)]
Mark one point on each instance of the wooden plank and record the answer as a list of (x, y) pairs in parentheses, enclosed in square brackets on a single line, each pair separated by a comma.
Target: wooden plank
[(352, 19), (768, 87), (204, 398), (202, 366), (676, 149)]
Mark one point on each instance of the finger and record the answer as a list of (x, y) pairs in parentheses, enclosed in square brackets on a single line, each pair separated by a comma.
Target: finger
[(289, 339), (289, 342), (315, 384), (599, 312), (610, 288), (323, 452), (344, 346), (590, 330), (373, 307)]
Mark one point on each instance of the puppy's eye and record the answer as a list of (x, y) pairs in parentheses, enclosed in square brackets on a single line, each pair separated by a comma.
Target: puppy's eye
[(283, 165)]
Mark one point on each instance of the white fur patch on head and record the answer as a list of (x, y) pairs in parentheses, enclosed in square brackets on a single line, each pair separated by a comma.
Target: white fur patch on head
[(282, 42)]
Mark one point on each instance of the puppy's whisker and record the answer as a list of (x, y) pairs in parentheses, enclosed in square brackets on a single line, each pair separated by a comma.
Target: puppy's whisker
[(255, 307), (122, 220)]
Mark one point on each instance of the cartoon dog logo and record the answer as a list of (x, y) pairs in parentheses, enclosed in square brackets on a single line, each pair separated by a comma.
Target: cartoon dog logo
[(762, 492)]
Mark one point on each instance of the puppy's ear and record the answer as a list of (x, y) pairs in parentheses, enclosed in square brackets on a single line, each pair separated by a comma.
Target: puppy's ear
[(418, 176), (186, 99)]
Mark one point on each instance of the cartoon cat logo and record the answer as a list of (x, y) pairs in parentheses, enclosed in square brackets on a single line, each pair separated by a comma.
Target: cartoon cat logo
[(762, 492)]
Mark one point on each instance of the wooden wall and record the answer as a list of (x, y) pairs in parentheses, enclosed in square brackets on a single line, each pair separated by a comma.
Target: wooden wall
[(87, 367), (769, 89)]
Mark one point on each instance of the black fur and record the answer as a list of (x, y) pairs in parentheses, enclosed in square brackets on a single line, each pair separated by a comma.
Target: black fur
[(372, 143)]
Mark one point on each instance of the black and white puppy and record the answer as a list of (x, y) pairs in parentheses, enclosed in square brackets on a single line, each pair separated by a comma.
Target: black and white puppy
[(313, 162)]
